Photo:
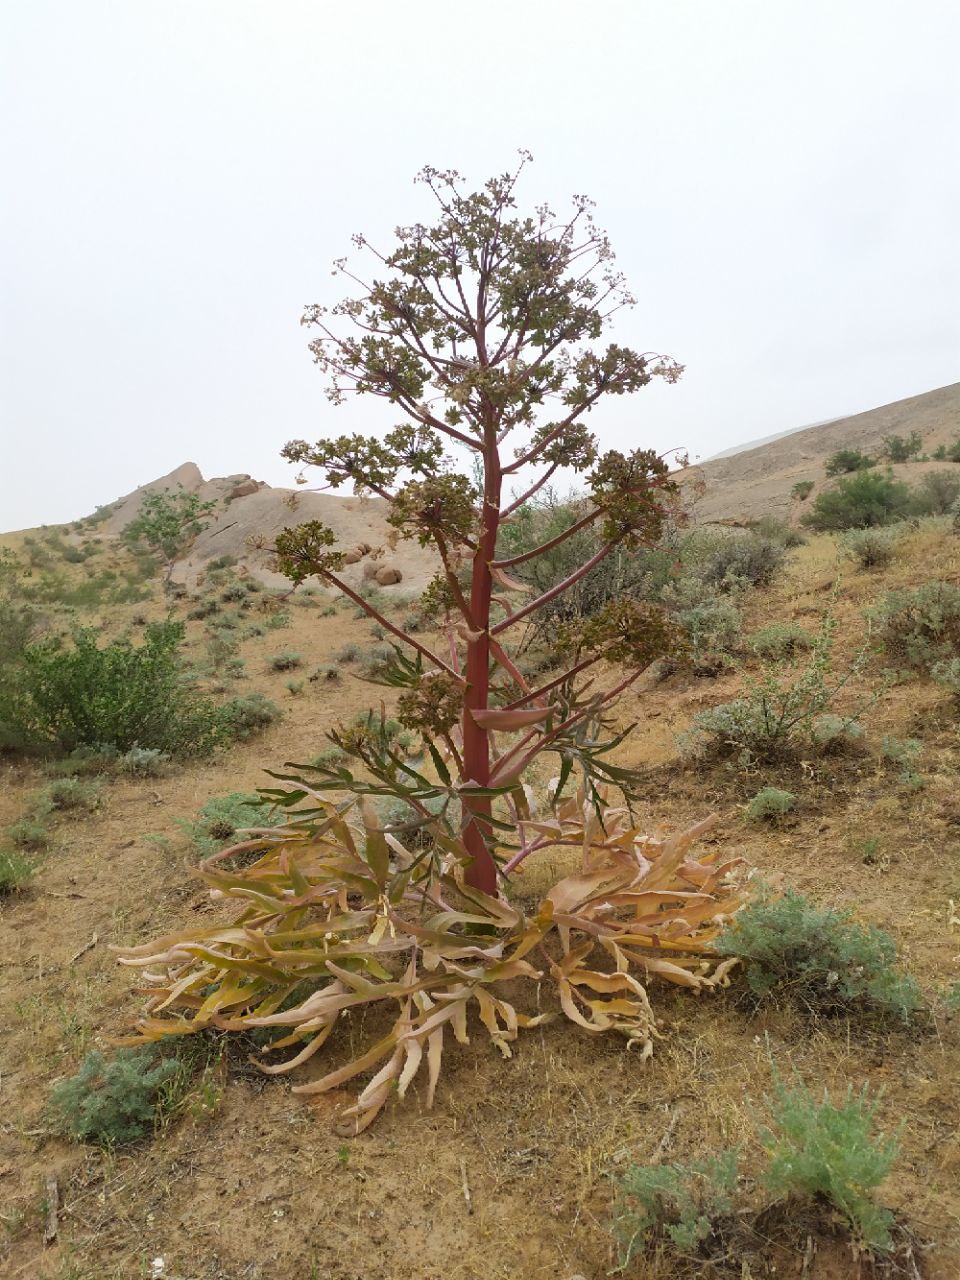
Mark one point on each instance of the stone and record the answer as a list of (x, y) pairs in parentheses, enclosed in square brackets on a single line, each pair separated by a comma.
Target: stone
[(388, 576)]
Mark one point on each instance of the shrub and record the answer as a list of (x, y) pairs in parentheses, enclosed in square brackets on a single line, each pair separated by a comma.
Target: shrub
[(277, 621), (750, 560), (802, 490), (205, 609), (819, 1149), (870, 548), (920, 627), (679, 1201), (117, 1101), (846, 460), (72, 793), (143, 762), (29, 833), (779, 713), (222, 817), (243, 717), (349, 653), (119, 695), (294, 687), (937, 492), (16, 871), (864, 500), (948, 674), (221, 562), (770, 802), (285, 661), (236, 593), (792, 949), (832, 732), (710, 622), (902, 448), (781, 640), (325, 672)]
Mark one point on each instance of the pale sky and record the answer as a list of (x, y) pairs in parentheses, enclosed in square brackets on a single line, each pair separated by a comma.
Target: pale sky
[(779, 178)]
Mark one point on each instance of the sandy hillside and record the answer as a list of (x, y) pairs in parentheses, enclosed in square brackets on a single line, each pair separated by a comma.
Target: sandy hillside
[(757, 482)]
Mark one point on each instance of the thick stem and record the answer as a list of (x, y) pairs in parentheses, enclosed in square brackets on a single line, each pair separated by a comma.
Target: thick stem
[(481, 872)]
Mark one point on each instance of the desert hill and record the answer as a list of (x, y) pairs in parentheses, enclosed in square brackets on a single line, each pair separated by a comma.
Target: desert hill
[(757, 482), (249, 509)]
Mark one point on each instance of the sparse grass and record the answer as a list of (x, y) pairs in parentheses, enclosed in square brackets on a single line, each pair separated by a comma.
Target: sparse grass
[(16, 871)]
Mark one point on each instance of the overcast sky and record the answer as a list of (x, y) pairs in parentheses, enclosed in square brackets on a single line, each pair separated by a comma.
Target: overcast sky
[(779, 179)]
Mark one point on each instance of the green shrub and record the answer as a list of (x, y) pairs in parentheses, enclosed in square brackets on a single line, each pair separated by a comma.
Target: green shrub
[(869, 548), (902, 448), (117, 1101), (781, 640), (802, 490), (745, 560), (948, 674), (72, 793), (679, 1201), (936, 493), (217, 824), (221, 562), (16, 871), (349, 653), (779, 714), (294, 687), (770, 803), (792, 949), (711, 622), (777, 530), (118, 695), (29, 833), (819, 1149), (862, 501), (920, 627), (277, 621), (250, 714), (832, 732), (143, 762), (236, 593), (285, 661), (846, 460)]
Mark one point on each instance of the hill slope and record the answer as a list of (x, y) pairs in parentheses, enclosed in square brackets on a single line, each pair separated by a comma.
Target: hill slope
[(757, 482)]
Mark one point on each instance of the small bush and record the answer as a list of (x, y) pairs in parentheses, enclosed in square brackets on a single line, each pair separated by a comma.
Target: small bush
[(221, 562), (29, 833), (217, 824), (294, 687), (236, 593), (243, 717), (711, 622), (862, 501), (285, 661), (902, 448), (117, 1101), (869, 548), (948, 674), (205, 609), (920, 628), (792, 949), (750, 560), (781, 640), (802, 490), (277, 621), (143, 762), (679, 1201), (846, 460), (770, 803), (325, 672), (349, 653), (936, 493), (819, 1149), (16, 871), (780, 712), (832, 732), (72, 793)]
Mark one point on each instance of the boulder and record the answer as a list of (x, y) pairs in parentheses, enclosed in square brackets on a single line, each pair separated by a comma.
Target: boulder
[(370, 570), (387, 576), (242, 490)]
